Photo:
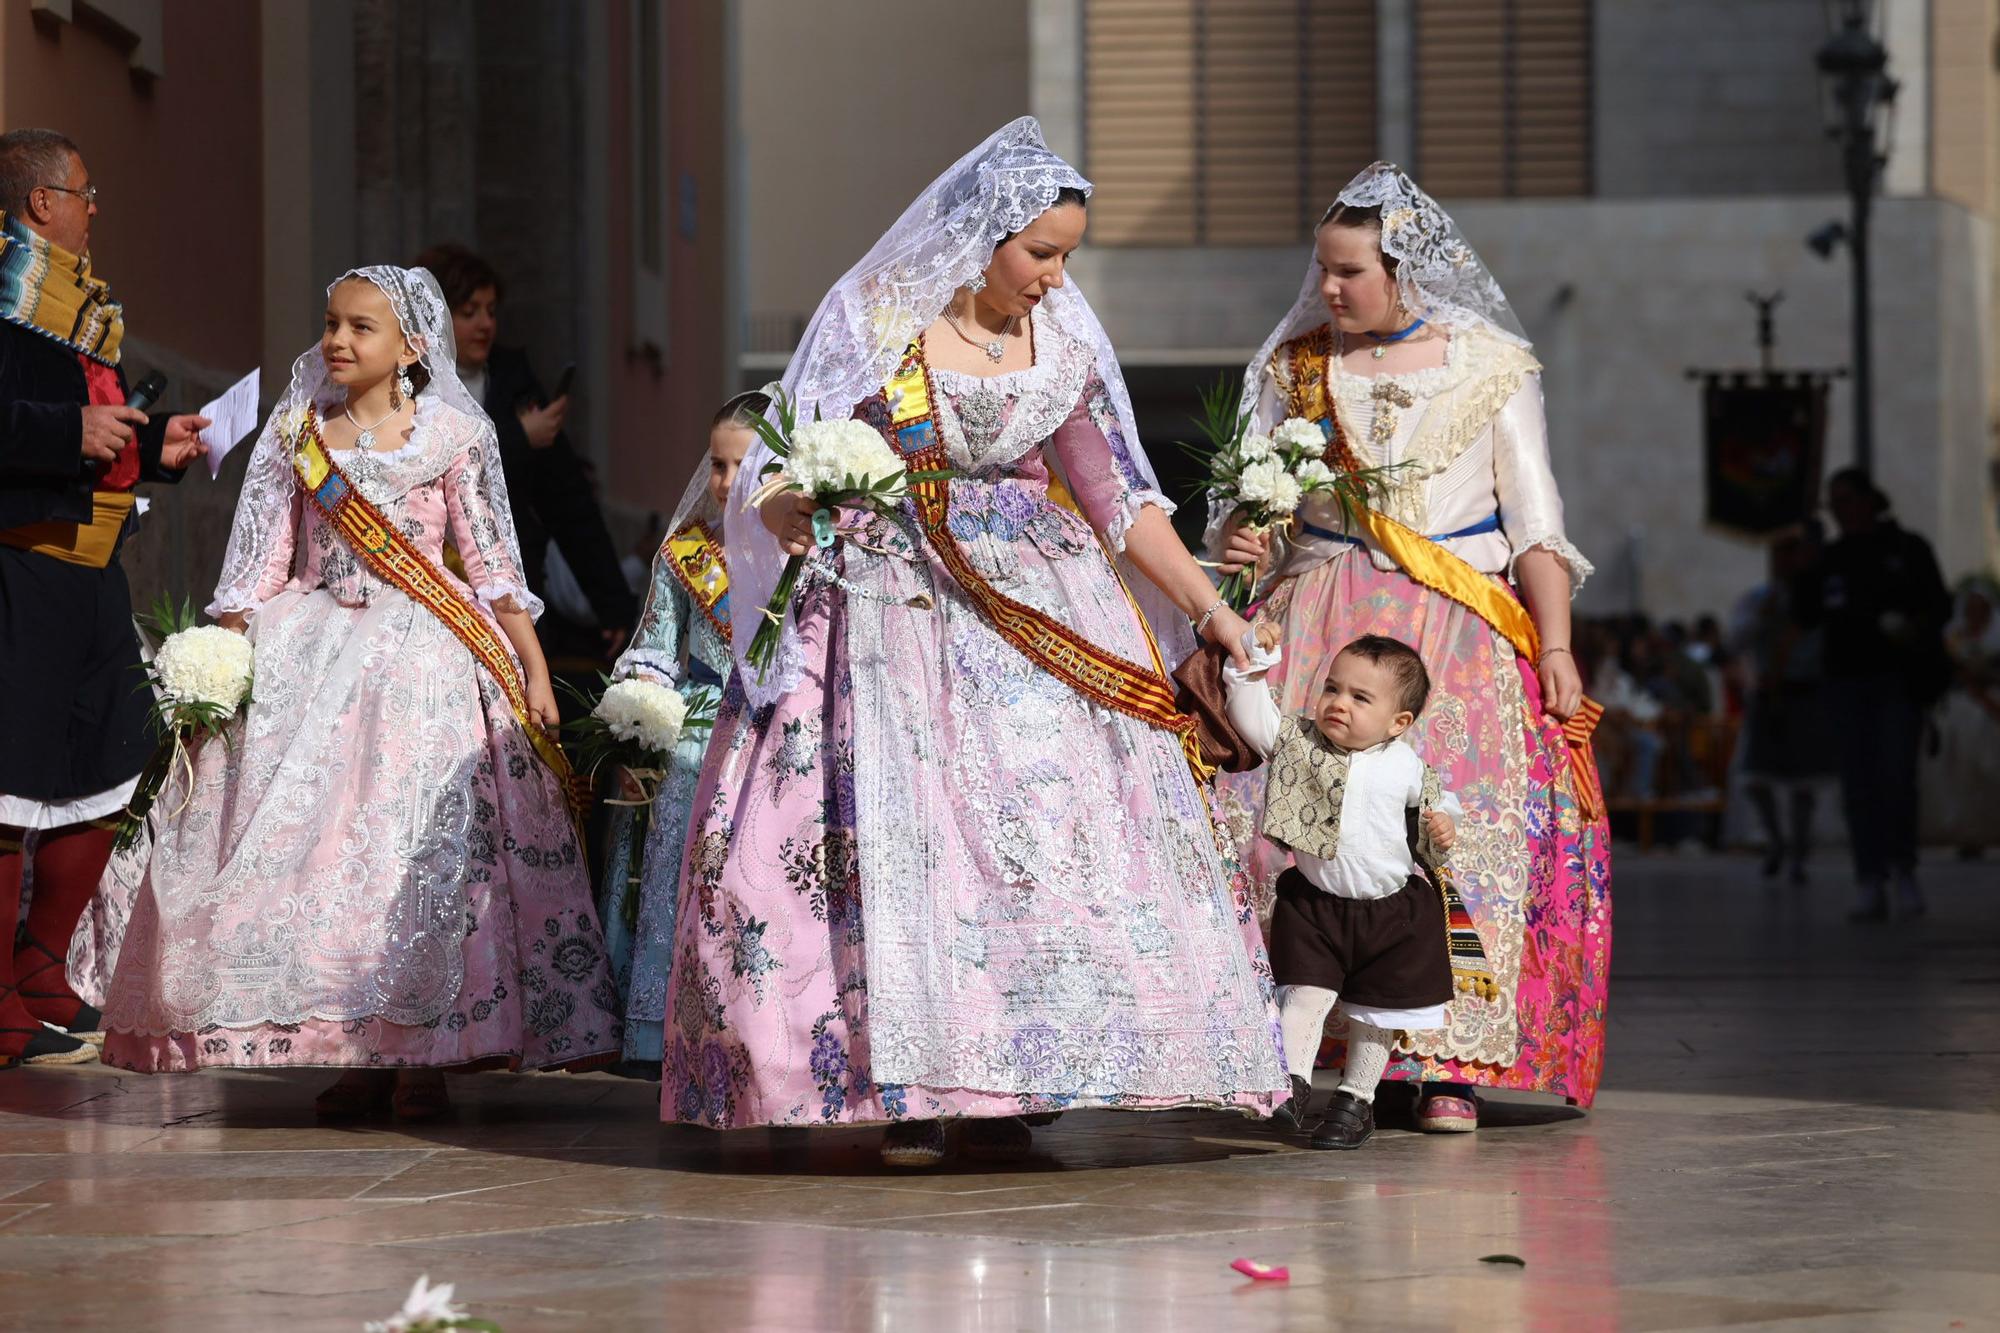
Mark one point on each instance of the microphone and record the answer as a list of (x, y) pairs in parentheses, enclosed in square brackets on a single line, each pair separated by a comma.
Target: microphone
[(147, 392)]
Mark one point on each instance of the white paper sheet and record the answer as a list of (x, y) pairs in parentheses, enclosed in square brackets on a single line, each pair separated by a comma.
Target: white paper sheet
[(232, 418)]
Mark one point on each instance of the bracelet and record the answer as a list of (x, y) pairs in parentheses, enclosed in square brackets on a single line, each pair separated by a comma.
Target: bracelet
[(1551, 652), (1201, 625)]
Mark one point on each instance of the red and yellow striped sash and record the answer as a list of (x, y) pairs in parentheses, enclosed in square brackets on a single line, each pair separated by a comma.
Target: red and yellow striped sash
[(1105, 678), (394, 559)]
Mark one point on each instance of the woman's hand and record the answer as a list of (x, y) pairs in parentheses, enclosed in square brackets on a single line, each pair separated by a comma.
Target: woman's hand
[(1227, 628), (1562, 686), (543, 424), (542, 703), (788, 515), (1242, 547), (236, 622)]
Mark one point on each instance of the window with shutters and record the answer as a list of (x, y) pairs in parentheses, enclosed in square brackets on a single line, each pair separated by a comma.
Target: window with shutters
[(1223, 122), (1502, 94)]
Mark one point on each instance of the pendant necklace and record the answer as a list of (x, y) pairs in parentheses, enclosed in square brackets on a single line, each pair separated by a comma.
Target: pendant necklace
[(994, 349), (366, 438), (1382, 341)]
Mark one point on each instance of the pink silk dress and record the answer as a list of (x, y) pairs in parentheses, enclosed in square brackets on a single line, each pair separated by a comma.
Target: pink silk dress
[(934, 880), (377, 869)]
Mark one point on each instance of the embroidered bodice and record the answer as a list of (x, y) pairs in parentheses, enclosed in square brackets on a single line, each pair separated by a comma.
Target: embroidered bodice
[(1022, 436), (1470, 436), (672, 633), (443, 487)]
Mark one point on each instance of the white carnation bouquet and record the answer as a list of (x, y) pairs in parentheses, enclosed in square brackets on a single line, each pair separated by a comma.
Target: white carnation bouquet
[(200, 679), (1267, 477), (634, 724), (838, 464)]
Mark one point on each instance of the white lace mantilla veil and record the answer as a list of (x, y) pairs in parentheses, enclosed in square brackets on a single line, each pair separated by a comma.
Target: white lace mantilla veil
[(425, 319), (901, 285), (1440, 276)]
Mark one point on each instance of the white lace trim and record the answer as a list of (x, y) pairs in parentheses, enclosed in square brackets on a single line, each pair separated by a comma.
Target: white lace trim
[(497, 596), (1128, 514), (1563, 549)]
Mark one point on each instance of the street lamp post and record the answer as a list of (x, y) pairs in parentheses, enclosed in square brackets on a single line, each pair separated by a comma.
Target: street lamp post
[(1859, 95)]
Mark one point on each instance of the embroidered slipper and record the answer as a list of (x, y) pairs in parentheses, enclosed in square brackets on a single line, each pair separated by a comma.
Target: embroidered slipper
[(1007, 1139), (1441, 1113), (913, 1144), (53, 1047)]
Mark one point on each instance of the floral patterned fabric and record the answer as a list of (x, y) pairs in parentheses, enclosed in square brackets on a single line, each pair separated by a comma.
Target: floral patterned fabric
[(378, 869), (1535, 876), (932, 880)]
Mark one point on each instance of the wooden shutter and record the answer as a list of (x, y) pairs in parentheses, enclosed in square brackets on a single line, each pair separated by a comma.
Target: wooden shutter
[(1224, 122), (1503, 97), (1139, 120), (1340, 98), (1551, 81)]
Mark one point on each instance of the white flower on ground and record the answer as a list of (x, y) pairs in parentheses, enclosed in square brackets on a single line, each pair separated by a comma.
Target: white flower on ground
[(1255, 448), (1296, 434), (643, 711), (425, 1305), (205, 665), (839, 455)]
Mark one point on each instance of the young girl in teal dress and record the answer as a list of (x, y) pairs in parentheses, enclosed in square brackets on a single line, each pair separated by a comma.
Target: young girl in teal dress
[(682, 640)]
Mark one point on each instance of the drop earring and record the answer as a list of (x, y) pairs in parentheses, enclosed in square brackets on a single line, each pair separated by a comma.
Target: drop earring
[(976, 283), (403, 383)]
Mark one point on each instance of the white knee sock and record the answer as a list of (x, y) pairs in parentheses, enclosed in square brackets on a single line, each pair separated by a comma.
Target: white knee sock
[(1367, 1057), (1302, 1012)]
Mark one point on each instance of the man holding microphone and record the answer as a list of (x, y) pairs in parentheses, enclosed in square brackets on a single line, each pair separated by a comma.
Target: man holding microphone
[(73, 719)]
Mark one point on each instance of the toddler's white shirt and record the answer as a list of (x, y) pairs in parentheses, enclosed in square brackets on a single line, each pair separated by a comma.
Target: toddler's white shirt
[(1383, 782)]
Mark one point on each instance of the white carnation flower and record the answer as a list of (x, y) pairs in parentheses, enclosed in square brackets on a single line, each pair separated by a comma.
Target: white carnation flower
[(839, 455), (1313, 475), (1256, 448), (1285, 494), (642, 711), (205, 665), (1257, 484), (1296, 434)]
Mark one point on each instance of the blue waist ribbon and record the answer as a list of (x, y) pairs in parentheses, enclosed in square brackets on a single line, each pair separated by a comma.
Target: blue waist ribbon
[(1491, 523)]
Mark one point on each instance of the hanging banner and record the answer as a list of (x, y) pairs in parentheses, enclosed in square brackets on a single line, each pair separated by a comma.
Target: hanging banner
[(1764, 446)]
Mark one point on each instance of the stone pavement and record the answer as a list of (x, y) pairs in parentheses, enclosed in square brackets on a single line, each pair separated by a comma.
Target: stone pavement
[(1800, 1130)]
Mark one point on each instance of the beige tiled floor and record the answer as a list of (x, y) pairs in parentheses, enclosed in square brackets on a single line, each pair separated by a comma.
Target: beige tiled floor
[(1801, 1131)]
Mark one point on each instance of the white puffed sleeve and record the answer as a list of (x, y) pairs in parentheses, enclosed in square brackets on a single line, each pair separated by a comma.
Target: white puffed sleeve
[(1531, 511)]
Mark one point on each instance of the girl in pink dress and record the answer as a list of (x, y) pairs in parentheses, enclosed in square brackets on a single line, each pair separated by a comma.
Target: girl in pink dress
[(379, 872), (933, 873)]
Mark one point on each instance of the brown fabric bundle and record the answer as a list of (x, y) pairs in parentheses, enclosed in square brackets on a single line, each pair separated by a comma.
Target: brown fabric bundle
[(1199, 691)]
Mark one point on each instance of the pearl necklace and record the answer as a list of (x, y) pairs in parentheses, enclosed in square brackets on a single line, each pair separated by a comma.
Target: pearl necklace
[(994, 349)]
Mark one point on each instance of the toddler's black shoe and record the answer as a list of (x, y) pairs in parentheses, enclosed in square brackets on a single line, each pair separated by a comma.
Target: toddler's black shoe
[(1349, 1123), (1298, 1115)]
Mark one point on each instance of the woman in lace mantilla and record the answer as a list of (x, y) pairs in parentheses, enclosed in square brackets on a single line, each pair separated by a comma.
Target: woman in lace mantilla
[(379, 870), (926, 877), (1402, 337)]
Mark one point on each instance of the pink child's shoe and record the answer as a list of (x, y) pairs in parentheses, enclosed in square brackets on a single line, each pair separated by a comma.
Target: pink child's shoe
[(1444, 1114)]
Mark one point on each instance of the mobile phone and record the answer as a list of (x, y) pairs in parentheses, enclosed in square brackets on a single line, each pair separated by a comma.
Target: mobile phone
[(563, 381)]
